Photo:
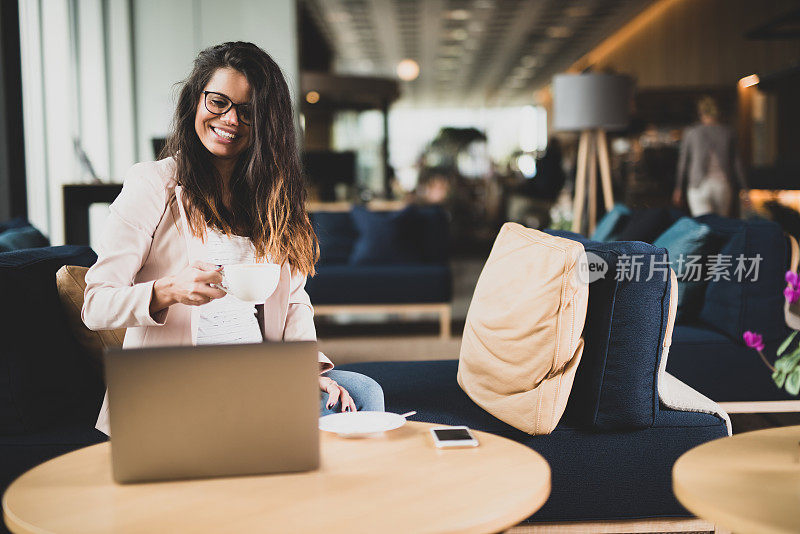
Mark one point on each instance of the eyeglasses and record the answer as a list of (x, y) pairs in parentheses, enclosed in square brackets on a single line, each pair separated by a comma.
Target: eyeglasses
[(219, 104)]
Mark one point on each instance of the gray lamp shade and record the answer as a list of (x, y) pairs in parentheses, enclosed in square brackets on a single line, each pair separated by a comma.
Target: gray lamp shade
[(591, 100)]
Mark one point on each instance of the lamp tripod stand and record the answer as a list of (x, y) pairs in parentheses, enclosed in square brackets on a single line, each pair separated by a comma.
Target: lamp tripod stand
[(592, 147)]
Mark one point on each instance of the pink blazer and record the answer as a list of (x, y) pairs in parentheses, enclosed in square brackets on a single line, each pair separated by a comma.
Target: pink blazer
[(146, 237)]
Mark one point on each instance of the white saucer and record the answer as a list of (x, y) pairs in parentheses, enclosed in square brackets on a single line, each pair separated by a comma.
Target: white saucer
[(360, 424)]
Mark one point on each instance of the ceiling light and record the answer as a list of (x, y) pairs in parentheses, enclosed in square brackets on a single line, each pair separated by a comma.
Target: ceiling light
[(457, 14), (312, 97), (408, 70), (749, 81), (559, 32), (459, 34)]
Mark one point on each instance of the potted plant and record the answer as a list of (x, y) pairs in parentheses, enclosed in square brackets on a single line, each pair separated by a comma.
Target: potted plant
[(786, 370)]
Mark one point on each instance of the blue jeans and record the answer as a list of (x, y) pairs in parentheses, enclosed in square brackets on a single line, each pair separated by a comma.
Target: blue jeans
[(366, 393)]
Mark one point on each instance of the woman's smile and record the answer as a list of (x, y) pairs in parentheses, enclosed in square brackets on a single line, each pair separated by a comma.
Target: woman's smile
[(225, 135)]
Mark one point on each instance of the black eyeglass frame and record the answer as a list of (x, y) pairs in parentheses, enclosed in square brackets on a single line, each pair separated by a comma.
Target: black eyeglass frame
[(232, 105)]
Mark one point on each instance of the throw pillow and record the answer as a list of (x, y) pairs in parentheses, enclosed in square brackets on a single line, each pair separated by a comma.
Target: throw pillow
[(689, 243), (71, 285), (385, 237), (21, 238), (522, 338), (612, 223)]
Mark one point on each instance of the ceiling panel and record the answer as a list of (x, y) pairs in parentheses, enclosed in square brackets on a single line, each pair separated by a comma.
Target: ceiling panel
[(470, 52)]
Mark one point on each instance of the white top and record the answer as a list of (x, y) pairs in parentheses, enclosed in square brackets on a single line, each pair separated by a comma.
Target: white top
[(227, 320)]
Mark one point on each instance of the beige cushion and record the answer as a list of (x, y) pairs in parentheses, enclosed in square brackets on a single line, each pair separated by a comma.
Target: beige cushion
[(71, 285), (522, 339)]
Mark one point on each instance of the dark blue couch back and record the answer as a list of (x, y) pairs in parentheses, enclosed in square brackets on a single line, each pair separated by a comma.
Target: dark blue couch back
[(416, 234), (733, 306), (46, 378), (615, 385)]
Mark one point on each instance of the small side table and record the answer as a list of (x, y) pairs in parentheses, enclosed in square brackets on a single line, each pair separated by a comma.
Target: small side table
[(746, 483), (395, 483)]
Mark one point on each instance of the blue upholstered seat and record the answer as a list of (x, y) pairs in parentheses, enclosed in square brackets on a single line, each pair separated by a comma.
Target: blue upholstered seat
[(721, 369), (50, 391), (397, 257), (708, 353), (733, 306), (21, 452), (380, 284), (614, 386), (45, 378), (596, 475)]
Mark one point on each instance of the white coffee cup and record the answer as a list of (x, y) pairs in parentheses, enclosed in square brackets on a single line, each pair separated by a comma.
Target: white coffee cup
[(251, 282)]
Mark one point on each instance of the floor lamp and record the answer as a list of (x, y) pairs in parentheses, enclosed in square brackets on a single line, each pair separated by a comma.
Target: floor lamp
[(592, 104)]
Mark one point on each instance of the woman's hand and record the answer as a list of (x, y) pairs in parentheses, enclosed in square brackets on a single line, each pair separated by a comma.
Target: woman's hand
[(335, 393), (191, 286)]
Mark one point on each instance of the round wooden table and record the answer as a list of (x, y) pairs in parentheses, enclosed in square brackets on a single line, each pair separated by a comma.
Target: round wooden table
[(398, 482), (746, 483)]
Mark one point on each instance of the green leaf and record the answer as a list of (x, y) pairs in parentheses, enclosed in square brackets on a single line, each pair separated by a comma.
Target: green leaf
[(786, 343), (787, 362), (793, 382), (779, 377)]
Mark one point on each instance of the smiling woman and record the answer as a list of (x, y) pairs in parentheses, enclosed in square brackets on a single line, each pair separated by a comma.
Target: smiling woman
[(228, 192)]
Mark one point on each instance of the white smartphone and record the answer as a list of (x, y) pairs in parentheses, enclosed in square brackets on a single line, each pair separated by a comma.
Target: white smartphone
[(453, 436)]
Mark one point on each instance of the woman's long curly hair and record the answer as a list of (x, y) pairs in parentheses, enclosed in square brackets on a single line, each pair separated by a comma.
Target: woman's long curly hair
[(267, 188)]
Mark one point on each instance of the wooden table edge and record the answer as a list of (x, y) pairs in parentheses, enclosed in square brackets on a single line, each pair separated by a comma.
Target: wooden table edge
[(691, 500), (497, 524)]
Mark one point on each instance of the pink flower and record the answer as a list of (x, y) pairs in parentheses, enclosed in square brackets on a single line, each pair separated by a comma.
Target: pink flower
[(792, 279), (792, 294), (753, 340)]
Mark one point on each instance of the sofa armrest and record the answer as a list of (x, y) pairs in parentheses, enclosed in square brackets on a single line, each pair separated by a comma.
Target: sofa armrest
[(676, 395)]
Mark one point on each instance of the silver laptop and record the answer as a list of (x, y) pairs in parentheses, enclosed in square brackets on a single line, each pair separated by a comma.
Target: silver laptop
[(191, 412)]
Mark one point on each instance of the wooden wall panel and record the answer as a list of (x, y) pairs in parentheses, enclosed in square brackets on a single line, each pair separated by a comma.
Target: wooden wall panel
[(689, 43)]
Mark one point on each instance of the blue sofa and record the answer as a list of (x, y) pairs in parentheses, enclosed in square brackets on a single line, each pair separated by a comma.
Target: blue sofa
[(50, 390), (383, 261), (611, 455), (708, 352)]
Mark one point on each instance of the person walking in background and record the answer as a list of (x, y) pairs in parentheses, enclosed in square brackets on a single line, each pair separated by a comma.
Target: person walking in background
[(708, 165)]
